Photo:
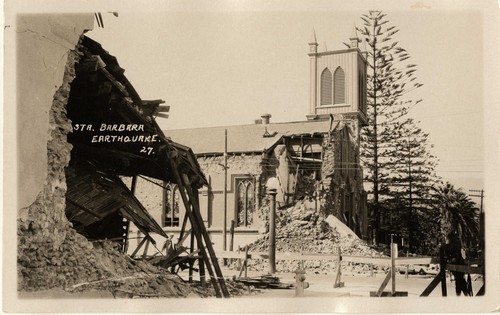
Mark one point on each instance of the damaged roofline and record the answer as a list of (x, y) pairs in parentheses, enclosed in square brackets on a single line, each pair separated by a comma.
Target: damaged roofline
[(263, 151)]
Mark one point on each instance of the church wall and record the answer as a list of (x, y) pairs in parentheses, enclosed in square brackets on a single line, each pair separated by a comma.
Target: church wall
[(211, 200), (342, 181), (239, 166)]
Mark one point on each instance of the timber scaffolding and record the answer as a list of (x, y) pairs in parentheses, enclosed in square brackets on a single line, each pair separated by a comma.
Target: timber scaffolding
[(97, 199), (204, 254)]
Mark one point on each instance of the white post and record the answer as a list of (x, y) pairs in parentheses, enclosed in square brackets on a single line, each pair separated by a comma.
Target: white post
[(394, 255)]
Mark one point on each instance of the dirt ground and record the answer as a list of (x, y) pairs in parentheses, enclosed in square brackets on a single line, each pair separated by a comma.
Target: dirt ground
[(321, 285)]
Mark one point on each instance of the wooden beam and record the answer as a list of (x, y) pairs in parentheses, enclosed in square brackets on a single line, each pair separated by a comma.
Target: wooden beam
[(92, 212), (199, 220), (145, 253), (465, 269), (442, 268), (161, 115), (139, 246), (194, 224), (384, 284), (165, 108), (191, 263), (151, 102), (380, 261), (433, 284)]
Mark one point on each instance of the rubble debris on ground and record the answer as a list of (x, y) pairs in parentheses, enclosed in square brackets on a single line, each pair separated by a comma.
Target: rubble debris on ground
[(264, 282), (300, 228)]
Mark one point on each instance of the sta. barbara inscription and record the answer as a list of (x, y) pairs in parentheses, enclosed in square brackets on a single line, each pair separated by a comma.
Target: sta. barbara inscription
[(119, 133)]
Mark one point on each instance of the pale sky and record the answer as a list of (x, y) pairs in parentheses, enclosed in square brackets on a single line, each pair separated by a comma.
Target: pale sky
[(228, 67)]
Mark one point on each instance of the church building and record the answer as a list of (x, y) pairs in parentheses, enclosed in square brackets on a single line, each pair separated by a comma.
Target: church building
[(316, 160)]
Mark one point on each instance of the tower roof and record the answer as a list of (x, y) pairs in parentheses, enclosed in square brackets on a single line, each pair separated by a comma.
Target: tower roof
[(354, 37), (313, 37), (354, 33)]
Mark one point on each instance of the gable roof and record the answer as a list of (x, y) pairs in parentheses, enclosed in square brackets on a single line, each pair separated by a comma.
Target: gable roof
[(245, 138)]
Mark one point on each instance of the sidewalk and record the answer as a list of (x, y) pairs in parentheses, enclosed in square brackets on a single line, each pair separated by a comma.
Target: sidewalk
[(321, 285)]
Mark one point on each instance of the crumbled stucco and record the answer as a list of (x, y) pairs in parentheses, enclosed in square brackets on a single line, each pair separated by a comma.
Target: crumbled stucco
[(43, 42)]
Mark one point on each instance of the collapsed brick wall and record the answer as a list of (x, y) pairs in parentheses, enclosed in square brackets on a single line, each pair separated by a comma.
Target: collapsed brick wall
[(50, 252), (299, 228), (329, 196), (239, 164), (343, 178)]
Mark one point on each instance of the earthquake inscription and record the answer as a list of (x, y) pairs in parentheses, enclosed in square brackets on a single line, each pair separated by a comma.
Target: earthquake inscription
[(119, 133)]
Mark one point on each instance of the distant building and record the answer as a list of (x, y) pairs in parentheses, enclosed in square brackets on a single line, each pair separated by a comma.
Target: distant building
[(316, 159)]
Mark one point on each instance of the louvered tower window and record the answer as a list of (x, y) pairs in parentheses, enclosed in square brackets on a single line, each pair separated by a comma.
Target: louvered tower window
[(326, 87), (339, 86)]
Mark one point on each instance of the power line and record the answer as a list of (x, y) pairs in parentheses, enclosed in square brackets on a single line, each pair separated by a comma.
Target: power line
[(459, 171), (457, 146), (446, 115)]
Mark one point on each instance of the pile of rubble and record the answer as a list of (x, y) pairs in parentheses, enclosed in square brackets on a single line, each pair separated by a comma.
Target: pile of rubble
[(300, 229), (68, 260)]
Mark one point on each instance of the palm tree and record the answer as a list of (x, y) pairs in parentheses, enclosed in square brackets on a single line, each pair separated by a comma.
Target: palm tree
[(458, 214)]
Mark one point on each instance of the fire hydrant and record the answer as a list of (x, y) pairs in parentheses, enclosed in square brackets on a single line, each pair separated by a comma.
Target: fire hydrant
[(300, 283)]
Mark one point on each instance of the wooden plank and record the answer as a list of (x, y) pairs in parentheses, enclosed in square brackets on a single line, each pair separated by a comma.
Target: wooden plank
[(394, 253), (380, 261), (165, 108), (145, 253), (195, 226), (442, 268), (191, 263), (151, 102), (161, 115), (202, 271), (465, 269), (193, 194), (234, 255), (387, 293), (384, 284), (482, 290), (139, 247), (433, 284), (95, 214), (245, 264), (416, 260)]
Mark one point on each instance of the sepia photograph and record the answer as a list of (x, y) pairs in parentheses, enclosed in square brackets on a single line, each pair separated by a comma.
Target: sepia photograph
[(251, 156)]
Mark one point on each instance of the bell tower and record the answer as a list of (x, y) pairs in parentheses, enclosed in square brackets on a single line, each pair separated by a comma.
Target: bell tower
[(338, 82)]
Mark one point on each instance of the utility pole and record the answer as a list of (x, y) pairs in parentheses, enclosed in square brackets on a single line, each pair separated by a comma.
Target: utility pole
[(272, 230), (224, 232), (481, 195)]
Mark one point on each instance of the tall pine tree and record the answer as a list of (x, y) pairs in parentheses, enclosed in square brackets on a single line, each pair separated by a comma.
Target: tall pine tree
[(409, 176), (390, 78)]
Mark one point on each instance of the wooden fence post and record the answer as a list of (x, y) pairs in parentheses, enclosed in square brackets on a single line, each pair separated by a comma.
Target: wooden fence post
[(442, 268), (394, 255), (371, 265)]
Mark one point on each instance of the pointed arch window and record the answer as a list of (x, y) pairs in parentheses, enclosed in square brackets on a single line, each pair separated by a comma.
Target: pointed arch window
[(171, 206), (245, 201), (326, 87), (339, 86)]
